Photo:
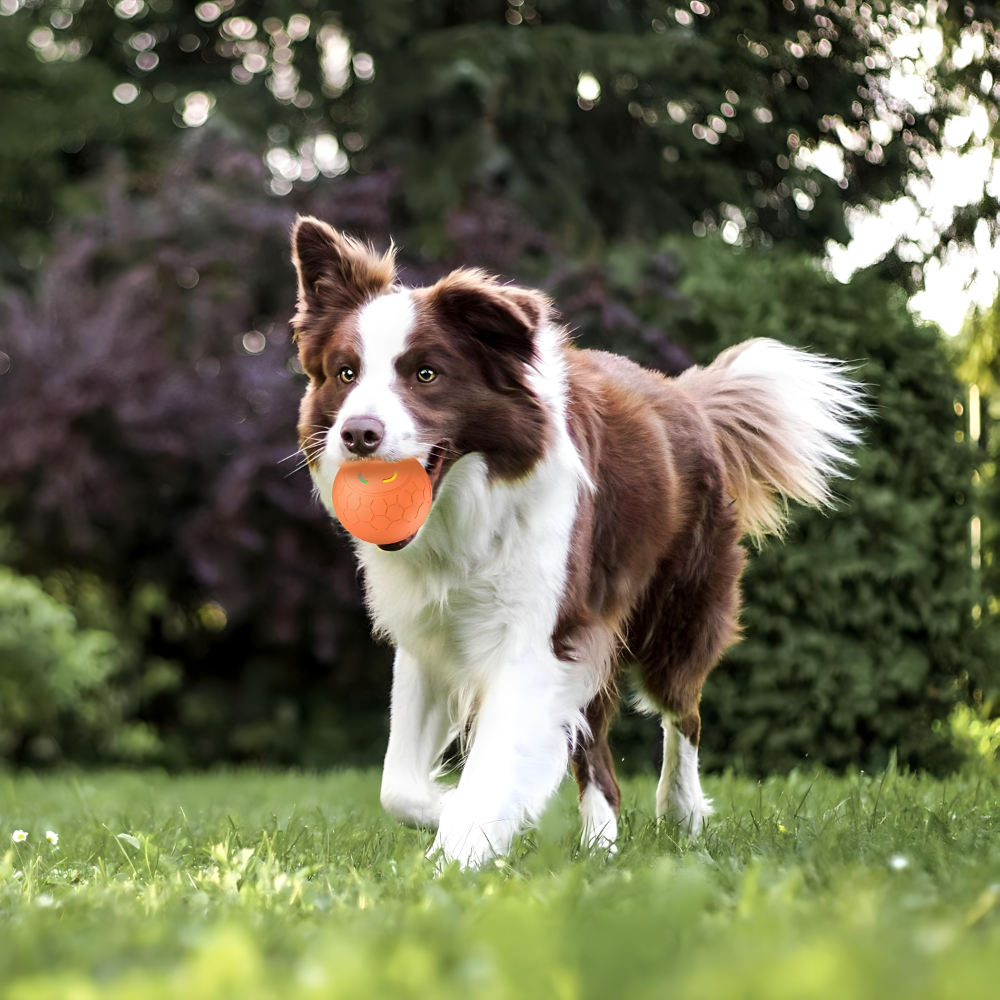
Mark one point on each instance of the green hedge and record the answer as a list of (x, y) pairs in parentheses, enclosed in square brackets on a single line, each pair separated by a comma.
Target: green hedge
[(68, 689), (859, 628)]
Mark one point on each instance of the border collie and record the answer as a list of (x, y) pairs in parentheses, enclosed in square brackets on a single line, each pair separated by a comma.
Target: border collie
[(586, 512)]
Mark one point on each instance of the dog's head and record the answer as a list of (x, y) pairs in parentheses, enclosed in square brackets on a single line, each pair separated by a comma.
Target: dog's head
[(430, 373)]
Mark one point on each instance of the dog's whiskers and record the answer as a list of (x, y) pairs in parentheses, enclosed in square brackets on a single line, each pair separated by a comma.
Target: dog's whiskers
[(311, 449), (307, 461), (445, 450)]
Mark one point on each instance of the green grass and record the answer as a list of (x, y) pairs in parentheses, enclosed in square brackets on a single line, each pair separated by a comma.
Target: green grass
[(268, 885)]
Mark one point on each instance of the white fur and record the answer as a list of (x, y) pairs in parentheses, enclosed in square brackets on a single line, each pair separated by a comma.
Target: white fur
[(679, 797), (600, 823), (384, 324), (420, 730), (474, 598), (813, 398), (471, 605)]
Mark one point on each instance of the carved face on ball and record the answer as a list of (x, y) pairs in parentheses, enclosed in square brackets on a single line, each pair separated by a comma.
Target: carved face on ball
[(382, 502)]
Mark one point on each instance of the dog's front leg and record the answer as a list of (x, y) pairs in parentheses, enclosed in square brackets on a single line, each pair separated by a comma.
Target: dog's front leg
[(419, 732), (518, 757)]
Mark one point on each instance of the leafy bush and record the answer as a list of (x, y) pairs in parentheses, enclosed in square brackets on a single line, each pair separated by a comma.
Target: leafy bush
[(58, 682), (974, 733), (859, 628), (150, 456)]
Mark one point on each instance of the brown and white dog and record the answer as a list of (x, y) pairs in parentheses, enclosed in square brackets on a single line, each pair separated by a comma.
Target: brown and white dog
[(586, 510)]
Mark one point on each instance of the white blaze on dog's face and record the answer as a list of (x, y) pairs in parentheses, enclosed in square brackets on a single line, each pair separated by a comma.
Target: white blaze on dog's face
[(381, 329), (432, 373)]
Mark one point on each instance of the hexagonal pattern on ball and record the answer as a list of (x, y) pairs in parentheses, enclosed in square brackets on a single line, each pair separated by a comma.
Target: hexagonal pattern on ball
[(382, 502)]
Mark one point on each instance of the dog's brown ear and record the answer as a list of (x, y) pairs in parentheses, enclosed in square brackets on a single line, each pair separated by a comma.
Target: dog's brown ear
[(336, 272), (502, 317)]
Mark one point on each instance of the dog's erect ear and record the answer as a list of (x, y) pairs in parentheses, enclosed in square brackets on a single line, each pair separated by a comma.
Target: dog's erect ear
[(502, 317), (336, 271)]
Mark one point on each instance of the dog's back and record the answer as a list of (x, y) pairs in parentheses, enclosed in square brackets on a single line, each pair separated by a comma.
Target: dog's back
[(683, 469)]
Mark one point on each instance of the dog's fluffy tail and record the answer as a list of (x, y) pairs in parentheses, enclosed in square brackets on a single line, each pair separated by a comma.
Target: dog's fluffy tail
[(784, 420)]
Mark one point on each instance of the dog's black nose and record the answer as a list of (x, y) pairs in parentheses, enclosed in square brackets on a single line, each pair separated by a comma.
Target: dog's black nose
[(362, 435)]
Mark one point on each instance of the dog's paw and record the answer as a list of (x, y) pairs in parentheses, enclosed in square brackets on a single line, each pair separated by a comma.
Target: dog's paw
[(469, 839), (690, 815), (471, 848), (416, 809), (600, 822)]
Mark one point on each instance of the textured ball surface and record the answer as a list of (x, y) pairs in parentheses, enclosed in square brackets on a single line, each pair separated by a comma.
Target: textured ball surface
[(382, 502)]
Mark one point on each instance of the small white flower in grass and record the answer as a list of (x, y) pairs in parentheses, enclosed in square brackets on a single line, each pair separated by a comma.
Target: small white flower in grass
[(19, 836), (52, 837), (898, 862)]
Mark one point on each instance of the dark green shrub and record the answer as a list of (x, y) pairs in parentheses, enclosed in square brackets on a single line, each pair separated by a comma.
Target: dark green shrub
[(66, 687), (858, 627)]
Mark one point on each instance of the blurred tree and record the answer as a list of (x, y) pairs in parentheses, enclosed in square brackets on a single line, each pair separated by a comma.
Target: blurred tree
[(600, 119), (976, 354)]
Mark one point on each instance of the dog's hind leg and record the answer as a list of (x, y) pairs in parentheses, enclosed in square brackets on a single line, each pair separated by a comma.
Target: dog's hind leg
[(594, 770), (679, 797), (687, 619), (419, 732)]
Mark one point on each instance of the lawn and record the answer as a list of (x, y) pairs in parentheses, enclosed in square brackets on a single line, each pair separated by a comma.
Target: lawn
[(257, 884)]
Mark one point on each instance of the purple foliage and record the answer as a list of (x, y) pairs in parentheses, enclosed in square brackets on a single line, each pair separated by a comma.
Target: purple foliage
[(145, 442), (141, 432)]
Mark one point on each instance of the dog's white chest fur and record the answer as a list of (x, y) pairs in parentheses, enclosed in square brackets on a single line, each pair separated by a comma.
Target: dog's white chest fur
[(471, 605), (481, 584)]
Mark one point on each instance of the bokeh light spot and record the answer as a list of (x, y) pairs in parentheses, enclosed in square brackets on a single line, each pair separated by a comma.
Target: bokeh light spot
[(197, 108), (127, 9), (187, 277), (239, 27), (254, 342), (298, 27), (125, 93), (208, 12), (587, 87)]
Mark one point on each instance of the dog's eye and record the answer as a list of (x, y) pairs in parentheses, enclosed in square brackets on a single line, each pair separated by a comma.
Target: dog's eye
[(426, 374), (346, 374)]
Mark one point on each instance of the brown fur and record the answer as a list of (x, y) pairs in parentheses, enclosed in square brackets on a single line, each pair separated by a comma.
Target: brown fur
[(477, 333), (656, 562), (337, 274), (592, 761)]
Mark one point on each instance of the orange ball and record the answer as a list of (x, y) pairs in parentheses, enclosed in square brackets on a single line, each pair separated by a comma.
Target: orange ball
[(382, 502)]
